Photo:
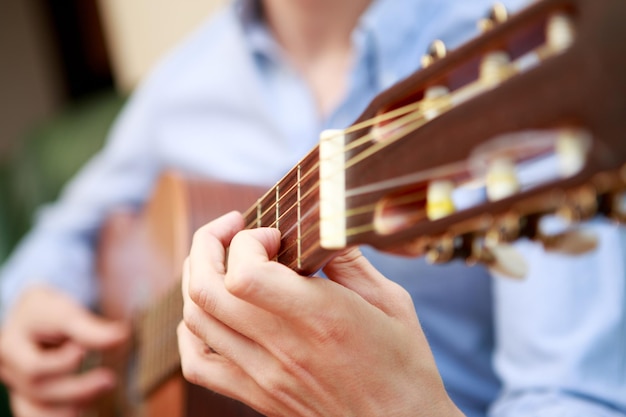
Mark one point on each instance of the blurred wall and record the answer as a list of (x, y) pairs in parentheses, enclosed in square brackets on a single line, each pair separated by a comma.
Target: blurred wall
[(30, 86), (138, 32)]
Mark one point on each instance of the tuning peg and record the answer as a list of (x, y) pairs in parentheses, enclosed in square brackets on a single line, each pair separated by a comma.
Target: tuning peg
[(441, 249), (571, 242), (580, 204), (571, 149), (501, 180), (495, 68), (617, 199), (505, 229), (434, 94), (507, 261), (501, 258), (497, 15), (560, 32), (435, 102), (439, 201), (618, 206), (436, 51)]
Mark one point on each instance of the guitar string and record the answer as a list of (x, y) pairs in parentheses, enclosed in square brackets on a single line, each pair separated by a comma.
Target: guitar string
[(404, 127), (415, 117), (359, 142), (412, 197), (398, 128), (272, 206), (401, 128)]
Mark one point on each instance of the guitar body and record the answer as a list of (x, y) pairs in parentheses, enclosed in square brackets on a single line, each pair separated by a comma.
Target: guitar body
[(140, 258)]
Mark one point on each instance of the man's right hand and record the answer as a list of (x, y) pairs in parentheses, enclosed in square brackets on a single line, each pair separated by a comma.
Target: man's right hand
[(43, 342)]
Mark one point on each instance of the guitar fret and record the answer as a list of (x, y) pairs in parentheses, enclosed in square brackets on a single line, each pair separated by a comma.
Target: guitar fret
[(267, 214), (299, 222), (277, 207), (286, 218)]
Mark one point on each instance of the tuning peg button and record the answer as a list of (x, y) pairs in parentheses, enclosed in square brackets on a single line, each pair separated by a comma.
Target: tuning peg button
[(560, 32), (439, 202), (571, 149), (497, 15), (435, 102), (502, 259), (581, 204), (436, 51), (495, 68), (570, 242), (501, 180)]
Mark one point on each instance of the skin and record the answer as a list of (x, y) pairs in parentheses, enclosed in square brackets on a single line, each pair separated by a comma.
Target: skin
[(42, 347), (318, 47), (289, 345)]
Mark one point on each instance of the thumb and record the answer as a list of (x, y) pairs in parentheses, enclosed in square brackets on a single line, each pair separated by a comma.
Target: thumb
[(93, 332), (64, 317), (352, 270)]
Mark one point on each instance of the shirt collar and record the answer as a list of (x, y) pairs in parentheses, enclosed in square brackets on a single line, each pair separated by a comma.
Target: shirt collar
[(382, 32), (256, 33)]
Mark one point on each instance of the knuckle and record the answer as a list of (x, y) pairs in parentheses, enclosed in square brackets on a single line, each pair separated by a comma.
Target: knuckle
[(349, 257), (201, 233), (401, 295), (190, 319), (271, 383), (190, 371), (241, 281), (280, 381), (400, 300), (201, 296), (331, 329)]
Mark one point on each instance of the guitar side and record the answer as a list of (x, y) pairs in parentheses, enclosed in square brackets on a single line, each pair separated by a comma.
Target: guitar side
[(139, 264)]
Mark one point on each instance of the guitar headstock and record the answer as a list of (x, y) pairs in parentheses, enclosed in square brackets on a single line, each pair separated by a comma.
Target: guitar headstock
[(442, 163)]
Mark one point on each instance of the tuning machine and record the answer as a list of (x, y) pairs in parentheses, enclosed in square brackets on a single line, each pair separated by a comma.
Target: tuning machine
[(579, 205), (617, 209), (501, 258), (497, 15), (506, 229), (617, 199), (436, 51), (570, 242), (442, 249), (435, 96), (560, 32), (474, 248)]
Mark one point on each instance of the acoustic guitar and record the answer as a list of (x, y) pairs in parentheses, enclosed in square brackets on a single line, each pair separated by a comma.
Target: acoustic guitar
[(547, 85)]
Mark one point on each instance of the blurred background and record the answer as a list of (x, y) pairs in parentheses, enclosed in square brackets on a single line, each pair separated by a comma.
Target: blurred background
[(66, 69)]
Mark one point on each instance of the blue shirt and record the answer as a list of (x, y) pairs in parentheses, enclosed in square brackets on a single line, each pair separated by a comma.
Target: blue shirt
[(226, 105)]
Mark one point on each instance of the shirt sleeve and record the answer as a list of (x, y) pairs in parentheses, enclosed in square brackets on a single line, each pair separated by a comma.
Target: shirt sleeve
[(59, 250), (561, 332)]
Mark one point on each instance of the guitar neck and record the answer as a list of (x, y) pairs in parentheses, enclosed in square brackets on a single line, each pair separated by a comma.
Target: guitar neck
[(293, 207)]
